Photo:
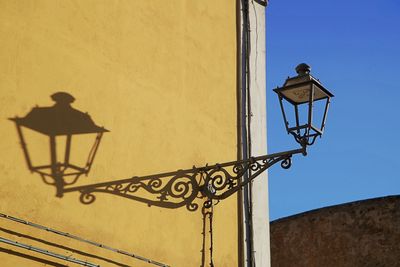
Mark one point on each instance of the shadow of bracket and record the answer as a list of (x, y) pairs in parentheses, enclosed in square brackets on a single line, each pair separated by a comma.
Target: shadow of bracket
[(181, 188)]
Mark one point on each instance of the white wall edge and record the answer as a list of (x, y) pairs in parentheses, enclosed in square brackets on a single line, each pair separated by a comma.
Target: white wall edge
[(258, 134)]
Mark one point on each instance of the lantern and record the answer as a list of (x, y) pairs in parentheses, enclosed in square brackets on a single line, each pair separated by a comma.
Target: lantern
[(307, 100)]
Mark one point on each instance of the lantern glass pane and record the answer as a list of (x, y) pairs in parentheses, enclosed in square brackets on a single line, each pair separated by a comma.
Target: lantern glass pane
[(319, 107), (301, 94), (289, 113), (319, 93), (298, 95), (296, 115), (302, 111)]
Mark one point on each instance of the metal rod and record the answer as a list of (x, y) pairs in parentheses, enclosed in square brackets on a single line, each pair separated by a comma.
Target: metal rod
[(296, 110), (283, 113), (41, 227), (246, 85), (276, 158), (325, 113), (193, 170), (48, 253), (310, 109), (298, 128), (318, 131)]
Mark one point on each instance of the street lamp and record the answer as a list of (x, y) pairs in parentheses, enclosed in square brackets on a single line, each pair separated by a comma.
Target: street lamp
[(178, 188), (304, 91), (59, 120), (216, 182)]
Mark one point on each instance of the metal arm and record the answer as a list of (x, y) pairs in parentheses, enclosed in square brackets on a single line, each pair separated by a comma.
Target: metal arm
[(182, 187)]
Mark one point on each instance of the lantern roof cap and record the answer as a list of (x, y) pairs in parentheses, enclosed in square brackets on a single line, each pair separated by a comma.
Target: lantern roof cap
[(59, 119), (303, 75), (296, 89)]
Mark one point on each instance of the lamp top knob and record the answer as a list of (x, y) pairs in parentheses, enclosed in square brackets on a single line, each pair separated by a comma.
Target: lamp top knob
[(303, 69)]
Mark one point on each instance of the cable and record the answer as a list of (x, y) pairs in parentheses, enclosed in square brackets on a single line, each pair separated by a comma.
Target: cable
[(48, 253), (41, 227)]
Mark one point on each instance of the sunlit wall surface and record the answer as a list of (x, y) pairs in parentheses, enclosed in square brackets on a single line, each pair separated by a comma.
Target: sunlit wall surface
[(161, 77)]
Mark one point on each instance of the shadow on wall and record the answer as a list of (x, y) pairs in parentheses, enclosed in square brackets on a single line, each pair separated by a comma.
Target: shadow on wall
[(56, 127), (32, 258), (20, 235), (58, 123)]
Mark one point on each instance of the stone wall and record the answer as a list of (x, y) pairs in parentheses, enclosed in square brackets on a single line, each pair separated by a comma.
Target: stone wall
[(358, 234)]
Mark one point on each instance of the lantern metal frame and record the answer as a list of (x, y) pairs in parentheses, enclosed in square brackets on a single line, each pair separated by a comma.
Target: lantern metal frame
[(304, 134)]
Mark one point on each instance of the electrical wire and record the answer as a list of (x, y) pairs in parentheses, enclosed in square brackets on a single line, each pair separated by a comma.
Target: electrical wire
[(48, 253), (41, 227)]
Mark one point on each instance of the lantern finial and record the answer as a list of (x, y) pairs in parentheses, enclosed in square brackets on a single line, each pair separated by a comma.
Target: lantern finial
[(303, 69)]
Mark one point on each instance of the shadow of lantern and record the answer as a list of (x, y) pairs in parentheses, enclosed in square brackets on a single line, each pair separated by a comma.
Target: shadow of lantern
[(61, 119)]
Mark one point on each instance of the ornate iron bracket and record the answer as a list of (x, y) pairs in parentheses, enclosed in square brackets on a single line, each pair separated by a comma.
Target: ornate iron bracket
[(182, 187)]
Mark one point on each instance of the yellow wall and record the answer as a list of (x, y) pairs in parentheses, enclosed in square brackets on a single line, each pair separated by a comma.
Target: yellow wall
[(161, 76)]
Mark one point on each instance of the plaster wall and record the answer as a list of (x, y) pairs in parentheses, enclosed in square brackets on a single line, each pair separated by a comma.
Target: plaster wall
[(161, 76)]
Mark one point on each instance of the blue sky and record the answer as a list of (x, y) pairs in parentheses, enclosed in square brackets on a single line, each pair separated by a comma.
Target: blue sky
[(353, 47)]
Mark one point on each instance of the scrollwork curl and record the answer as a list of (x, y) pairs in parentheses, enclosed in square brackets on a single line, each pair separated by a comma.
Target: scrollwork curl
[(219, 179), (286, 163), (255, 166), (238, 169)]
